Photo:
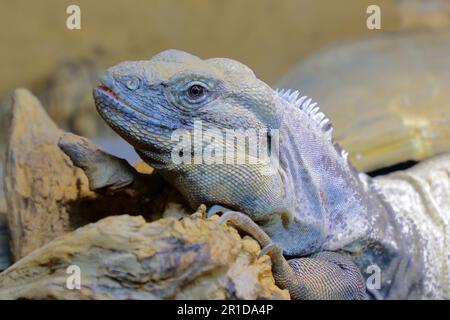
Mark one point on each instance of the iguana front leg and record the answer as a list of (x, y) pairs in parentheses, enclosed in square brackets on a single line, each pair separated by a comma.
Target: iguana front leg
[(325, 275)]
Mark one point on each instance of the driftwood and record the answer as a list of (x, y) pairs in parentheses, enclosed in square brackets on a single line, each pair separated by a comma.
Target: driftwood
[(113, 177), (107, 173), (47, 195), (124, 257), (38, 178), (59, 189)]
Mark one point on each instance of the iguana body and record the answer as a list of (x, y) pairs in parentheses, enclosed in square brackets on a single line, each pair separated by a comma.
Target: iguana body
[(322, 213)]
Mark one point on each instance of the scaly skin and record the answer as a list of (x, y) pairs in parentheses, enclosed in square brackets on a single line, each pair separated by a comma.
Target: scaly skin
[(314, 208)]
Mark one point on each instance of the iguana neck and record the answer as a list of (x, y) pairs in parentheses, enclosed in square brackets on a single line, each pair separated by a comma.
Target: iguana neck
[(333, 208)]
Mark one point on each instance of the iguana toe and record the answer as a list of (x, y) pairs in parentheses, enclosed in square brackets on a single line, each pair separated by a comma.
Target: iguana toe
[(246, 225)]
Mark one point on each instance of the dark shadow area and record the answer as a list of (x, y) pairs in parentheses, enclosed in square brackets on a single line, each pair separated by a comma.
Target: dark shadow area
[(149, 205), (396, 167)]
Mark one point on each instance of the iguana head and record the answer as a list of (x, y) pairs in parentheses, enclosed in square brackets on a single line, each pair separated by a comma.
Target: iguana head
[(146, 101)]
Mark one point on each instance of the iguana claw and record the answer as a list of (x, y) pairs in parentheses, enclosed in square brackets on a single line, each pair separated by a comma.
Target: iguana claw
[(273, 250), (241, 222), (246, 225), (215, 209)]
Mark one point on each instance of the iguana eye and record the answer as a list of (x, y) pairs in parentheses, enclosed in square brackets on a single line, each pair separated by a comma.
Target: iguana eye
[(133, 83), (196, 91), (192, 94)]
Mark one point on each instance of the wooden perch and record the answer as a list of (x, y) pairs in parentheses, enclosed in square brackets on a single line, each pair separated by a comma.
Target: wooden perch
[(123, 257), (39, 178), (48, 196), (106, 172)]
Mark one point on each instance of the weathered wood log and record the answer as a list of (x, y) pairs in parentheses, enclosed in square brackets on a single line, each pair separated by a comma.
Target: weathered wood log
[(48, 196), (106, 172), (120, 257), (38, 178), (123, 257)]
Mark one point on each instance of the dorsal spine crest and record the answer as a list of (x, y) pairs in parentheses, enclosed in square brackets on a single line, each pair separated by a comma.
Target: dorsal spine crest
[(310, 108)]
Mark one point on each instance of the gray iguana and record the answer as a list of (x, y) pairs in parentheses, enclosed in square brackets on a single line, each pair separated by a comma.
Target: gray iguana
[(322, 223)]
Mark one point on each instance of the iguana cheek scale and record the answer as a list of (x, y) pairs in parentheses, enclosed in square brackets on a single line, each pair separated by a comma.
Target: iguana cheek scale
[(316, 210)]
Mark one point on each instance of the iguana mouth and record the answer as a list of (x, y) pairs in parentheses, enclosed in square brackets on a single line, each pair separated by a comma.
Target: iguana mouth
[(108, 90), (117, 99), (110, 98)]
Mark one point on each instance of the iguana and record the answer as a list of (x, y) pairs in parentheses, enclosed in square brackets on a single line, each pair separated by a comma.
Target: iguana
[(322, 223)]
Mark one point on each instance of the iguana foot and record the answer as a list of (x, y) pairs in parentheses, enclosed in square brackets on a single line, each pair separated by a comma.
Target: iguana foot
[(283, 273), (324, 275)]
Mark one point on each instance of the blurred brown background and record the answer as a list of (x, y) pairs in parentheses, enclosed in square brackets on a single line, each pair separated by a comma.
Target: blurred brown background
[(270, 36), (60, 66)]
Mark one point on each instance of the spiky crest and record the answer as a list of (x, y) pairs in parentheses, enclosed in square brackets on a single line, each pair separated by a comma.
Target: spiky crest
[(313, 112), (310, 108)]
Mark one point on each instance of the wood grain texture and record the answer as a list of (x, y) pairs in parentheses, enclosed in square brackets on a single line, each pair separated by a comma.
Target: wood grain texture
[(48, 196), (123, 257)]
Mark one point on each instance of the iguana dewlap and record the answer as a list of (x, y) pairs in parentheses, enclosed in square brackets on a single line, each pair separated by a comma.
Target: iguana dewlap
[(327, 218)]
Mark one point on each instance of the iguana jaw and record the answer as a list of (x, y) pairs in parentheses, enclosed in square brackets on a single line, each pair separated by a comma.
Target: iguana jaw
[(106, 97), (148, 134)]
